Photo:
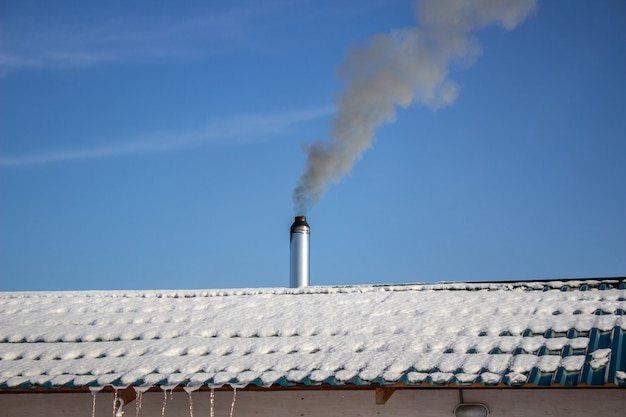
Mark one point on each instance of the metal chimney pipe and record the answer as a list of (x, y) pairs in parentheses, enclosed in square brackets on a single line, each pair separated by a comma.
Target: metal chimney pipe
[(299, 253)]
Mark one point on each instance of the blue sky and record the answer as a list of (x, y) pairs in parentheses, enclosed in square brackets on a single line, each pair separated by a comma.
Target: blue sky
[(158, 146)]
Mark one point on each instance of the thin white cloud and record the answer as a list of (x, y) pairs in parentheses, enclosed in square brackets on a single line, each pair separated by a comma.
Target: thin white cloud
[(236, 130), (42, 44)]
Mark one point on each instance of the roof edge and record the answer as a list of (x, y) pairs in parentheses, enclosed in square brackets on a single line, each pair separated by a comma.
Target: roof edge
[(535, 284)]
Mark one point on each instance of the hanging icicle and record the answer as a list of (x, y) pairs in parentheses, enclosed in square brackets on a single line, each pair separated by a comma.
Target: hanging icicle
[(189, 389), (190, 405), (115, 405), (232, 404), (212, 403), (164, 403), (138, 402), (139, 398), (93, 405), (94, 391)]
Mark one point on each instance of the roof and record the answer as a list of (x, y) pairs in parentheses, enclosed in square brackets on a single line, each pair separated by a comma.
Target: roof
[(553, 333)]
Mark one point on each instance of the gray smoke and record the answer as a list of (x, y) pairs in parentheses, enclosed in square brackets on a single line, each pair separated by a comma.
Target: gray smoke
[(397, 69)]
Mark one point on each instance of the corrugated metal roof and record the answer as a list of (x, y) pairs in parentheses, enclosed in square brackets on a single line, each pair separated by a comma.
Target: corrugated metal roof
[(537, 333)]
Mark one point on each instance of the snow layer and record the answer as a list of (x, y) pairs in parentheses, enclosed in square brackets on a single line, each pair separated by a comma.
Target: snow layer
[(460, 333)]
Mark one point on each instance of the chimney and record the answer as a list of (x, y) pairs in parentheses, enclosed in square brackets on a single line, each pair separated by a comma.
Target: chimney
[(299, 253)]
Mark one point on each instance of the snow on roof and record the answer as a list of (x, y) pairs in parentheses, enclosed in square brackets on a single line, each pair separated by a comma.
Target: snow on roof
[(565, 333)]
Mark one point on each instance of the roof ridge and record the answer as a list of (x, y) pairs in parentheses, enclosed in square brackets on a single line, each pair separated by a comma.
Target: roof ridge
[(539, 285)]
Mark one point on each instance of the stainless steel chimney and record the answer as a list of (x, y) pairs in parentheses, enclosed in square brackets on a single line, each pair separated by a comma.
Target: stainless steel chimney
[(299, 253)]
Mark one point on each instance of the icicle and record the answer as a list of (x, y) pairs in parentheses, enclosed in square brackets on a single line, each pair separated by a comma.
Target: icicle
[(232, 404), (94, 391), (138, 402), (164, 402), (93, 405), (189, 389), (212, 403), (115, 403), (119, 401), (190, 405)]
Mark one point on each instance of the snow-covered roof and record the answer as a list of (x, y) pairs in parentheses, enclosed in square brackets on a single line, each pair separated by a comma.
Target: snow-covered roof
[(567, 333)]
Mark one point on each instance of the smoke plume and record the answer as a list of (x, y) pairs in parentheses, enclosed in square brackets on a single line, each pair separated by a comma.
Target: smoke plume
[(397, 69)]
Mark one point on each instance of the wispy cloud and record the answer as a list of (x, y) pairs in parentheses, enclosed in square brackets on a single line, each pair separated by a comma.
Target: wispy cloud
[(236, 130), (41, 43)]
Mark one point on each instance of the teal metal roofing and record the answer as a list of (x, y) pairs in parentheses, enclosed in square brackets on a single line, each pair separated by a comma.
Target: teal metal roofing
[(553, 333)]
